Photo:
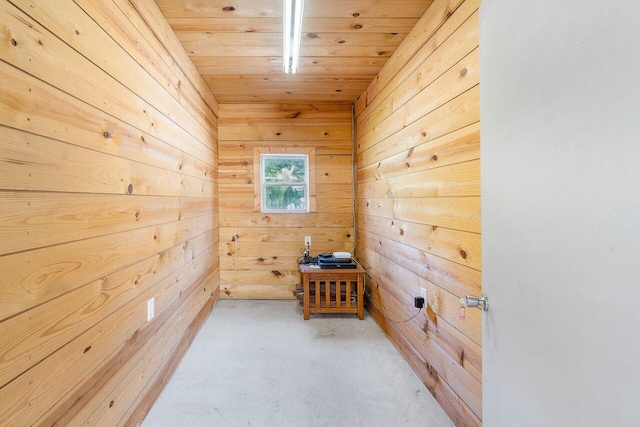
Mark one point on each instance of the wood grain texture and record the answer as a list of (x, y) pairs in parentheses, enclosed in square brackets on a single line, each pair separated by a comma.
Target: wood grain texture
[(258, 251), (418, 202), (108, 198), (449, 367), (457, 410), (341, 42), (141, 408)]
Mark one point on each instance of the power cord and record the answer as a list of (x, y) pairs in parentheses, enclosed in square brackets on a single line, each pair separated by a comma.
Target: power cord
[(305, 258), (382, 312), (308, 260)]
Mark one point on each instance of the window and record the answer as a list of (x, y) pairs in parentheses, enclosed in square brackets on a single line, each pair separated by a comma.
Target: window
[(286, 180)]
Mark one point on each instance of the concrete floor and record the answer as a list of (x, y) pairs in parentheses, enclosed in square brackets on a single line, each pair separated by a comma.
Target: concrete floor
[(257, 363)]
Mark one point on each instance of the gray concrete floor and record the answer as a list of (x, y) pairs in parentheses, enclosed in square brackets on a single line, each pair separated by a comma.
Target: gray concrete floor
[(257, 363)]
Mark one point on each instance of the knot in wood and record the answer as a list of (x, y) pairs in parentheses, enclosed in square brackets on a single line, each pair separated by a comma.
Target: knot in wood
[(228, 8)]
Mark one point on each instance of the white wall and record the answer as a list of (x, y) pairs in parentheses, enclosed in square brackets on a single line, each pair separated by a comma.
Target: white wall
[(560, 114)]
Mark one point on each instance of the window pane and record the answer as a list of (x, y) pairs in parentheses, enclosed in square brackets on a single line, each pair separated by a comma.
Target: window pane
[(284, 169), (285, 197)]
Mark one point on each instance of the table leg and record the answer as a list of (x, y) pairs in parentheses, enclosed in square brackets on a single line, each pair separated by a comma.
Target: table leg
[(306, 297), (360, 297)]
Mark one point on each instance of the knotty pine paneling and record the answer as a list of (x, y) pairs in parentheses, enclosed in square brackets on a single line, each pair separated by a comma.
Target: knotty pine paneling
[(258, 252), (238, 47), (418, 202), (108, 197)]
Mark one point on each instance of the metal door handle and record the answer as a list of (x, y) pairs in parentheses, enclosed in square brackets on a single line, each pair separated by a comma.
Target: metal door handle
[(473, 301)]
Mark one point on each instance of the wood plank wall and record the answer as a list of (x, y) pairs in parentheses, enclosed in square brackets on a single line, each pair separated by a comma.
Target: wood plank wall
[(108, 197), (418, 202), (258, 252)]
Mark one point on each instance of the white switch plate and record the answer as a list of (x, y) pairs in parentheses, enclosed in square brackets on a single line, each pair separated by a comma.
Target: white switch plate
[(307, 240), (151, 309), (423, 294)]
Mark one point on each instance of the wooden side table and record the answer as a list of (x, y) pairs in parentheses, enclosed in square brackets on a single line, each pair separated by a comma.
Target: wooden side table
[(332, 290)]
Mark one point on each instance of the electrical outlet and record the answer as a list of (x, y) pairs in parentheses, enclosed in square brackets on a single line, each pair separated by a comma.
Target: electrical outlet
[(307, 240), (423, 294), (151, 309)]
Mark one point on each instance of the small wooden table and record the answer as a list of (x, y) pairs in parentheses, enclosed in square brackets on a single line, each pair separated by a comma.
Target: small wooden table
[(332, 290)]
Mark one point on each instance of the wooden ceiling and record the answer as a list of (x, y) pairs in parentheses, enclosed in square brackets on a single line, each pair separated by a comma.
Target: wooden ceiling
[(237, 46)]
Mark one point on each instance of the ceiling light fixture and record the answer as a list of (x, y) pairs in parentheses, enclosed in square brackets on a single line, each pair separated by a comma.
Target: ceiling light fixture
[(292, 30)]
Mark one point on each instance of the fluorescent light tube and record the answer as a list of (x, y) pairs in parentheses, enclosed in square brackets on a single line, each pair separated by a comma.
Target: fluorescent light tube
[(292, 31)]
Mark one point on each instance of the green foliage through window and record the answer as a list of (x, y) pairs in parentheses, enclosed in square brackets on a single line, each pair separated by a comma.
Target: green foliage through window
[(284, 183)]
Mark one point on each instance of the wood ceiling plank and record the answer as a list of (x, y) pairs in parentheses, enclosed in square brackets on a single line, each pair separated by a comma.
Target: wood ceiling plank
[(274, 25), (335, 51), (286, 98), (237, 46), (366, 8), (282, 89), (241, 40), (212, 72), (293, 78), (273, 8), (258, 61)]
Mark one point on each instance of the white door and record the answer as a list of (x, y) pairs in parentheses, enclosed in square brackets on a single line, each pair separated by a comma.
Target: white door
[(560, 117)]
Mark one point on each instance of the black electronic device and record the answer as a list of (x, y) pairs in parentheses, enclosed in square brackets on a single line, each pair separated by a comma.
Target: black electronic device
[(327, 261)]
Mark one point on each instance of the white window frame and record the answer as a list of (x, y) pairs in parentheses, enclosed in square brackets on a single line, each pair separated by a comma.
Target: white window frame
[(261, 153), (264, 184)]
